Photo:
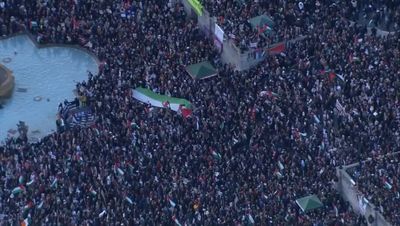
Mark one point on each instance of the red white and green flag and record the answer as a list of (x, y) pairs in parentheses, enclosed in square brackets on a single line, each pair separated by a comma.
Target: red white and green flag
[(92, 191), (172, 203), (18, 190), (277, 48), (265, 28), (26, 222), (28, 206), (30, 182), (129, 200), (102, 213), (332, 76), (269, 94), (54, 183), (147, 96), (176, 221), (184, 111), (216, 155)]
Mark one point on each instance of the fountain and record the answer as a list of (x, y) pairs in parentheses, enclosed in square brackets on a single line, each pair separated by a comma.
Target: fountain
[(44, 77)]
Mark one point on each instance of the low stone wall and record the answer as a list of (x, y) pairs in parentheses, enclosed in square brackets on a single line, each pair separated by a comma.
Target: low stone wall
[(40, 46), (7, 82), (7, 87)]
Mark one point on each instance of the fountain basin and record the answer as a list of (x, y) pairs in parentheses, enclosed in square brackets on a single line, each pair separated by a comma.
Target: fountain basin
[(45, 75)]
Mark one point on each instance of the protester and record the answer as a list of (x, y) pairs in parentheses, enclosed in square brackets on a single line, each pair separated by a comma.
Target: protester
[(256, 141)]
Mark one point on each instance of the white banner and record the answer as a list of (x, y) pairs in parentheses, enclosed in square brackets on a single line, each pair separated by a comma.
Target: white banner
[(219, 33)]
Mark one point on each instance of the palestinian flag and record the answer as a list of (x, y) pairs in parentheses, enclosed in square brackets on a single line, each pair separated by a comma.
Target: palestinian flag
[(92, 191), (388, 185), (216, 155), (269, 94), (353, 58), (157, 100), (184, 111), (272, 95), (281, 167), (33, 24), (120, 172), (26, 209), (54, 183), (30, 182), (316, 119), (278, 174), (18, 190), (28, 206), (129, 200), (176, 221), (21, 179), (134, 125), (265, 28), (251, 219), (332, 76), (26, 222), (172, 203), (40, 205), (277, 48), (102, 213), (166, 104)]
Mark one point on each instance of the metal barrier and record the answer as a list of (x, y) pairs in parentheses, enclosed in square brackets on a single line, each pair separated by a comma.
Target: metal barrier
[(348, 189)]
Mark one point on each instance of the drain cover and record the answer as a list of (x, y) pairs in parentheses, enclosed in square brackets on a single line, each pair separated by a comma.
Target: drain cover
[(22, 90)]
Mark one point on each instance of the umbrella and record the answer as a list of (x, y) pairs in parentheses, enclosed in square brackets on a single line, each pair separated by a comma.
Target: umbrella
[(201, 70), (309, 203)]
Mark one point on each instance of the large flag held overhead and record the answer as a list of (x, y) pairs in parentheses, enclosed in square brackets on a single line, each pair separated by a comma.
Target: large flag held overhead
[(263, 24), (182, 106)]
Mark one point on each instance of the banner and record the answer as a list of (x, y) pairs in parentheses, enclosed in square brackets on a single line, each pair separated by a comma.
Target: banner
[(198, 8), (219, 33)]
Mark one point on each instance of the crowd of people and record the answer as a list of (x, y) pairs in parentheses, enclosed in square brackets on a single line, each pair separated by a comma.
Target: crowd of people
[(378, 180), (256, 141), (289, 19), (286, 21), (384, 14)]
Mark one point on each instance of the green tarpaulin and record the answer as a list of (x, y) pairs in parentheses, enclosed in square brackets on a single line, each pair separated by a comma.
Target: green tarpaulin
[(309, 203), (262, 23), (201, 70)]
